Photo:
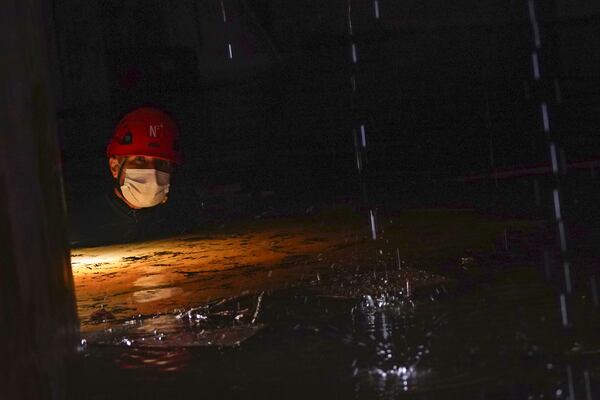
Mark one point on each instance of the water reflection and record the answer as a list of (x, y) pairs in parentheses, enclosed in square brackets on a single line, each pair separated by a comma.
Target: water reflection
[(145, 296), (163, 275), (169, 361), (484, 339)]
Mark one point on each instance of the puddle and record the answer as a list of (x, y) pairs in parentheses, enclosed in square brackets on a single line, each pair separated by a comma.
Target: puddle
[(323, 323), (489, 342)]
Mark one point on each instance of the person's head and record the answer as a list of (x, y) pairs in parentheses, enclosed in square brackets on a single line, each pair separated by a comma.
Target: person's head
[(142, 154)]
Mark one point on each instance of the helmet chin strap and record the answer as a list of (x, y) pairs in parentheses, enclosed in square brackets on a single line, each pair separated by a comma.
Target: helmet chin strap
[(118, 179)]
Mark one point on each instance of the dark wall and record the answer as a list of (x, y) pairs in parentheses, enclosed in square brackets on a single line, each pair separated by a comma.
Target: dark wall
[(443, 89)]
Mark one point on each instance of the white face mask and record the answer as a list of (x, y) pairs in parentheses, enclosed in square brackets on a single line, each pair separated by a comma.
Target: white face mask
[(145, 187)]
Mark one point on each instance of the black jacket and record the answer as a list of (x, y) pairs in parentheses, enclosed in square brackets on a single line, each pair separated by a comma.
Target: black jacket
[(106, 219)]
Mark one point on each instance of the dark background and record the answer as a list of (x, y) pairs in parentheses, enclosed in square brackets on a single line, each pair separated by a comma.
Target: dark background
[(444, 89)]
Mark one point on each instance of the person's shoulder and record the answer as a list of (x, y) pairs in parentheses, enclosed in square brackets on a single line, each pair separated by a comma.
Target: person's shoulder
[(100, 220)]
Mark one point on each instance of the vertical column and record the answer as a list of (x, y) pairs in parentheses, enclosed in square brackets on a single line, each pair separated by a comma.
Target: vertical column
[(38, 339)]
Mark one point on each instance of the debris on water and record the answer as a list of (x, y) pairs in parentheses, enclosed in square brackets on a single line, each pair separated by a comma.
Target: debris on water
[(82, 345), (467, 261), (576, 347), (101, 315), (258, 303), (220, 323)]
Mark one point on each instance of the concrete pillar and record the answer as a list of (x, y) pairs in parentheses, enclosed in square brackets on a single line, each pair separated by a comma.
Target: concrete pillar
[(38, 320)]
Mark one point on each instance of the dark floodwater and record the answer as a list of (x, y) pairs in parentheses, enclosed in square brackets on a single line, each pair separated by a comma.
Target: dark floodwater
[(499, 338)]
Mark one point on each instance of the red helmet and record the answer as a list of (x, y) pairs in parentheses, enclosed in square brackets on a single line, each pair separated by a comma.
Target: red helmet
[(146, 131)]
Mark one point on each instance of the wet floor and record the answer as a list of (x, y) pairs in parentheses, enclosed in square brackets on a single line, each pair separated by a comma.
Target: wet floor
[(447, 304)]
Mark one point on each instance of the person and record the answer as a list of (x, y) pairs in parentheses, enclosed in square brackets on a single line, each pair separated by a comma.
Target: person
[(143, 155)]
